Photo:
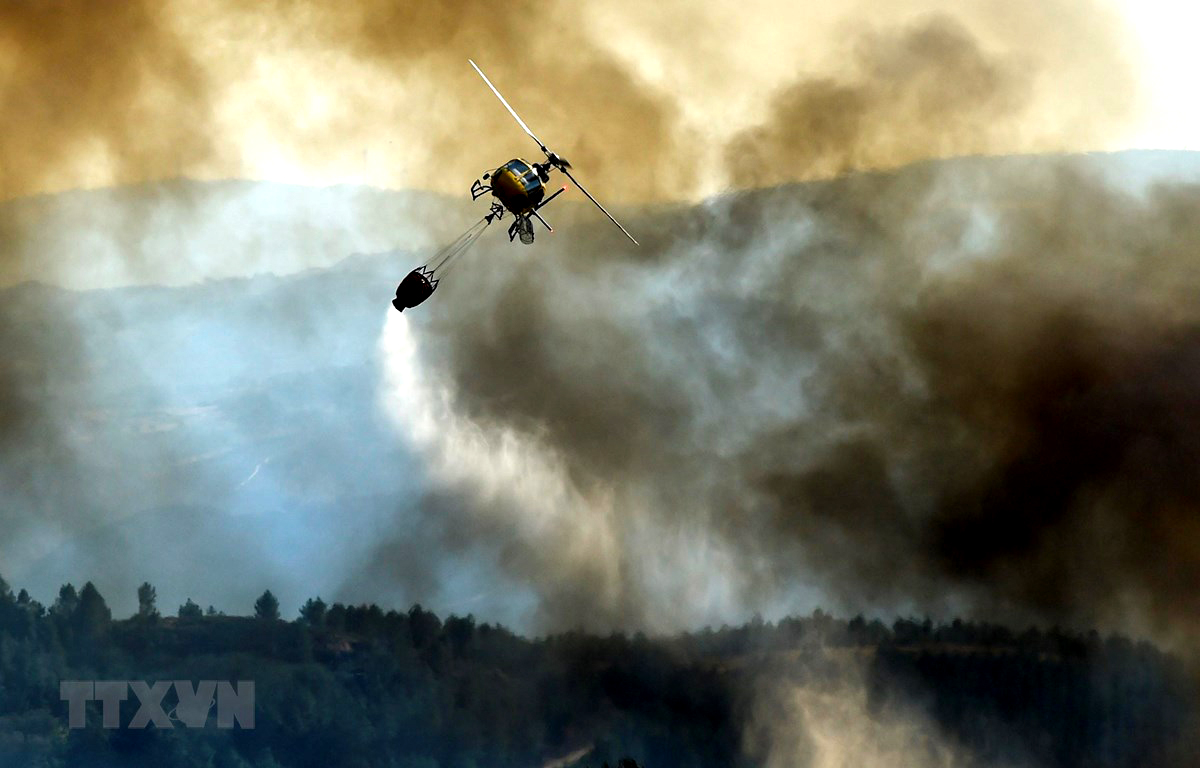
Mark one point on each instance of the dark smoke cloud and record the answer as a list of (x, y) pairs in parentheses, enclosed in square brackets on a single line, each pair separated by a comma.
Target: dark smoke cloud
[(960, 386), (792, 387), (1076, 376)]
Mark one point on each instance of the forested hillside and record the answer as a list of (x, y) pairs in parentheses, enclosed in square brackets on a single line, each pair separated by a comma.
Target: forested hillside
[(363, 686)]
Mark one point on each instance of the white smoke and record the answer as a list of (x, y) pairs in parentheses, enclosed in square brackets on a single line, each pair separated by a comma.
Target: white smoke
[(829, 721), (543, 521)]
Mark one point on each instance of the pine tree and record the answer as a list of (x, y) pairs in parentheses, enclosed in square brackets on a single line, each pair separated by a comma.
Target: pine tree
[(313, 612), (266, 607), (191, 610), (147, 596), (92, 616)]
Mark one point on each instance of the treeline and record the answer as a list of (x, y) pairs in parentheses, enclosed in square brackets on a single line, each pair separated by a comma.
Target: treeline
[(360, 686)]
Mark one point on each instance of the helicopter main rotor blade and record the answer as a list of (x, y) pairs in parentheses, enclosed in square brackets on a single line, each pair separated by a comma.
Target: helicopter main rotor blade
[(597, 202), (507, 106)]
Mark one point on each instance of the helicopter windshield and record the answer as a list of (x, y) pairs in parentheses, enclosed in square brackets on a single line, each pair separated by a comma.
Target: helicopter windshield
[(525, 172)]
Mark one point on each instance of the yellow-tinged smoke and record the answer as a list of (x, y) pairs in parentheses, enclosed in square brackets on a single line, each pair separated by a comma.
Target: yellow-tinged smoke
[(669, 103)]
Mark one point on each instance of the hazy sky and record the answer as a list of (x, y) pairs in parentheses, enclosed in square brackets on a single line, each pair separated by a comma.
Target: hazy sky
[(1168, 56)]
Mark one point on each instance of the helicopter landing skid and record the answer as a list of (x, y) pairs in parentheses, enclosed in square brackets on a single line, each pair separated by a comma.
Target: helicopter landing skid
[(496, 214), (479, 189)]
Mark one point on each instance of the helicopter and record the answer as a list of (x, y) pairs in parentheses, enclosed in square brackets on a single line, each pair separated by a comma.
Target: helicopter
[(518, 187)]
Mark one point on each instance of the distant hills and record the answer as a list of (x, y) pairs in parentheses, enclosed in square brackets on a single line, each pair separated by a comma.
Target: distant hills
[(178, 231), (197, 425)]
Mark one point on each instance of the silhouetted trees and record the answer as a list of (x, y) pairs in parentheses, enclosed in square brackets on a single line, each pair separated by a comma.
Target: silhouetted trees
[(313, 612), (190, 610), (360, 685), (91, 616), (266, 606), (66, 602), (147, 599)]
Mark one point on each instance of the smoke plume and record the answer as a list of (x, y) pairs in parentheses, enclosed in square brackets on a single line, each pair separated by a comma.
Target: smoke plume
[(646, 105), (883, 389)]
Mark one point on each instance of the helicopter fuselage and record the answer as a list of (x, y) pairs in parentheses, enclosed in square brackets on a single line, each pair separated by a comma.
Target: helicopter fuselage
[(517, 186)]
